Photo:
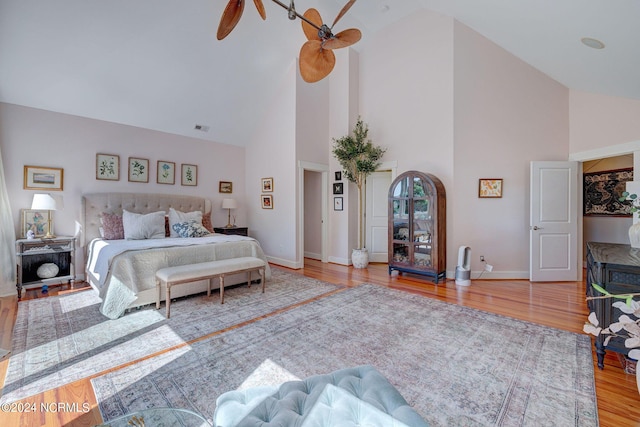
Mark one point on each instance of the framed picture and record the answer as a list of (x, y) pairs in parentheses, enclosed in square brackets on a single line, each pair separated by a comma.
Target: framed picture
[(338, 175), (189, 175), (267, 185), (267, 201), (338, 188), (40, 178), (225, 187), (337, 203), (138, 169), (108, 167), (602, 192), (166, 172), (490, 188), (36, 220)]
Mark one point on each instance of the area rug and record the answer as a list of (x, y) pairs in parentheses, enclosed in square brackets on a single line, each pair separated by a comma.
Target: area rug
[(60, 339), (455, 365)]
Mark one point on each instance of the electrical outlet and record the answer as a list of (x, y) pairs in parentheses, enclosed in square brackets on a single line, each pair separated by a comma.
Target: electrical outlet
[(481, 258)]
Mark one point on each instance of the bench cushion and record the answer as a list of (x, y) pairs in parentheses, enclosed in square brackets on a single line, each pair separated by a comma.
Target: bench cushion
[(205, 269)]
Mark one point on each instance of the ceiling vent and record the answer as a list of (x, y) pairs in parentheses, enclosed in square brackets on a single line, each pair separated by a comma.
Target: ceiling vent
[(201, 128)]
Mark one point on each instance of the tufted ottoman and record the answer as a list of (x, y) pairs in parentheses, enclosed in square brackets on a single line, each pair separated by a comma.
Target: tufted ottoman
[(358, 396)]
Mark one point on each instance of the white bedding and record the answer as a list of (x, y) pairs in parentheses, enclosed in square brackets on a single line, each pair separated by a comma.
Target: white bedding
[(121, 269)]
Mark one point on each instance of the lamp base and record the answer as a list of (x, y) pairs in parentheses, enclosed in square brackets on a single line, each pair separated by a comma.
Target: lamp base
[(229, 226), (49, 236)]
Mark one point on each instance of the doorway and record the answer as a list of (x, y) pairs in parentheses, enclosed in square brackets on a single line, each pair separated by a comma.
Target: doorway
[(313, 181)]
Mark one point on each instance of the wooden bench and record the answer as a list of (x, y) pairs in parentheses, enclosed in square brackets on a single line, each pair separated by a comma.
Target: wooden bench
[(171, 276)]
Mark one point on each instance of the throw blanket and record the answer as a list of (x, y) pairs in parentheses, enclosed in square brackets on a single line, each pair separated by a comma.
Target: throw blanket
[(120, 269)]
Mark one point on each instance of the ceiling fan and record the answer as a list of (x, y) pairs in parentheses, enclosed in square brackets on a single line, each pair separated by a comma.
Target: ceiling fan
[(316, 57)]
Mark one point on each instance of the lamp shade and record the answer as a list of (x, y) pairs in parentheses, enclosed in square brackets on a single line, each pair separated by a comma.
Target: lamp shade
[(229, 204), (43, 202)]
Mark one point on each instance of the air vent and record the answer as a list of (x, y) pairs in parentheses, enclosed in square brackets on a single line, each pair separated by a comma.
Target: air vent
[(201, 128)]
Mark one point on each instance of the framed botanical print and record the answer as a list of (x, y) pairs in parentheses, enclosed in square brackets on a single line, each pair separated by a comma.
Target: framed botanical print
[(267, 201), (267, 185), (189, 175), (337, 203), (43, 178), (108, 167), (35, 220), (138, 169), (166, 172), (490, 188)]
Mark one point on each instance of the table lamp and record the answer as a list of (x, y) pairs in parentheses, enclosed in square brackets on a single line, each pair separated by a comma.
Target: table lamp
[(44, 202), (229, 204)]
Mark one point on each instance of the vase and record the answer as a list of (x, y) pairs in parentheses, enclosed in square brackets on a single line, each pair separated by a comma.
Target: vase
[(634, 235), (360, 258)]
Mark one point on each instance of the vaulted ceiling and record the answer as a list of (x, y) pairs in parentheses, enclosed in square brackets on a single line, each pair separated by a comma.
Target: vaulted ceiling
[(157, 63)]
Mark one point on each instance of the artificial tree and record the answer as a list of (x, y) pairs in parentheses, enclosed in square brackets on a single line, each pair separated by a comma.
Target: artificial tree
[(359, 158)]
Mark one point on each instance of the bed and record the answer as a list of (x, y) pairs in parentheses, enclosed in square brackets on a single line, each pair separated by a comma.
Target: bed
[(122, 271)]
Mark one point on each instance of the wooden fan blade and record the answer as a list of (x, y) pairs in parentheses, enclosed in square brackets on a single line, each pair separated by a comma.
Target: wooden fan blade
[(260, 8), (313, 16), (230, 17), (343, 11), (343, 39), (315, 62)]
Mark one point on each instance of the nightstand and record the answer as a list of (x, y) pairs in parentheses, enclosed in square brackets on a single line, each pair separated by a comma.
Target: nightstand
[(240, 231), (33, 253)]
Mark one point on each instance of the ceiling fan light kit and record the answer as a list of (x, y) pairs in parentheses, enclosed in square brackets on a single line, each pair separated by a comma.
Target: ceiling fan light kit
[(316, 57)]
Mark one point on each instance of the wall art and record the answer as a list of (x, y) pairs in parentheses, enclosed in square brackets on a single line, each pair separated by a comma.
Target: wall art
[(166, 172), (108, 167), (602, 192), (40, 178), (138, 169), (189, 175)]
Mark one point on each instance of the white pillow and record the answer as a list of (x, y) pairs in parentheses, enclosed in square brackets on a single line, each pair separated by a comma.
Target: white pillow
[(177, 217), (139, 226)]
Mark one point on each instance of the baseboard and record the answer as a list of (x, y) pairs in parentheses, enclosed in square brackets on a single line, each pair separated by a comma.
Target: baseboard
[(285, 263), (313, 255), (496, 275), (341, 261)]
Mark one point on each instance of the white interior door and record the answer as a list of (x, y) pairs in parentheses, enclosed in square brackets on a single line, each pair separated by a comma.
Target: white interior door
[(377, 222), (553, 235)]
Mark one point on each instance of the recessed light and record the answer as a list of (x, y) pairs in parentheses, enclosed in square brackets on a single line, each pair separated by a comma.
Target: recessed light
[(592, 43)]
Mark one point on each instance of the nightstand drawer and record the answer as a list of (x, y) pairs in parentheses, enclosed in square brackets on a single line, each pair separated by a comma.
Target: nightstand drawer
[(240, 231)]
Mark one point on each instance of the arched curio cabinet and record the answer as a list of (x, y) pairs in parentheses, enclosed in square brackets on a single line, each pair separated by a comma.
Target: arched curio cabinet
[(417, 225)]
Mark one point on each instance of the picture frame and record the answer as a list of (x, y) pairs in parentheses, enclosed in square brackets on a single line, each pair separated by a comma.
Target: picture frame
[(338, 175), (43, 178), (266, 200), (602, 192), (189, 175), (166, 172), (490, 188), (267, 185), (225, 187), (138, 169), (37, 220), (108, 167), (338, 188), (337, 203)]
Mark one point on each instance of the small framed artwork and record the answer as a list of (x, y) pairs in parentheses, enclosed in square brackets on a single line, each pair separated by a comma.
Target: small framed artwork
[(490, 188), (108, 167), (138, 169), (40, 178), (267, 185), (225, 187), (338, 188), (189, 175), (35, 220), (338, 175), (166, 172), (267, 201), (337, 203)]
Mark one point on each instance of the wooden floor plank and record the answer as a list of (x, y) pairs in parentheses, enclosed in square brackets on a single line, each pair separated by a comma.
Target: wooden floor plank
[(559, 305)]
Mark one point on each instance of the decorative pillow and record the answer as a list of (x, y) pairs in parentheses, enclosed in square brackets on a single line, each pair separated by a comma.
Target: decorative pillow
[(206, 222), (190, 228), (112, 228), (176, 217), (140, 226)]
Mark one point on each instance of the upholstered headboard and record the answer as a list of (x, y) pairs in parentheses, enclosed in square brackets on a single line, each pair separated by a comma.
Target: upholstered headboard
[(93, 204)]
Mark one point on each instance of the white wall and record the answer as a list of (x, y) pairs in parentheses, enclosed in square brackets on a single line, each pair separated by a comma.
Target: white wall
[(42, 138), (506, 115)]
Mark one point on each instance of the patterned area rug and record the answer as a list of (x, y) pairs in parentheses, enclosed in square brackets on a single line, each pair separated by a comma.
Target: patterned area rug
[(455, 365), (61, 339)]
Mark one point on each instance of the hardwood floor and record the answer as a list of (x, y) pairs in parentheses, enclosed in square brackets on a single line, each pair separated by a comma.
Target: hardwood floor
[(560, 305)]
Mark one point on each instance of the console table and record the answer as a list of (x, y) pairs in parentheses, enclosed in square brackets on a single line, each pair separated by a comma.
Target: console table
[(616, 268)]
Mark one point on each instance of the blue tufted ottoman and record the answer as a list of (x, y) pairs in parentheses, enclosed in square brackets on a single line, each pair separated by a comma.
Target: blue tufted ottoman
[(359, 396)]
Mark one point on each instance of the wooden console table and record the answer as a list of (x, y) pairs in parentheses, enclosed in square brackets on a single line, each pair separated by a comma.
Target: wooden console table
[(616, 268)]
